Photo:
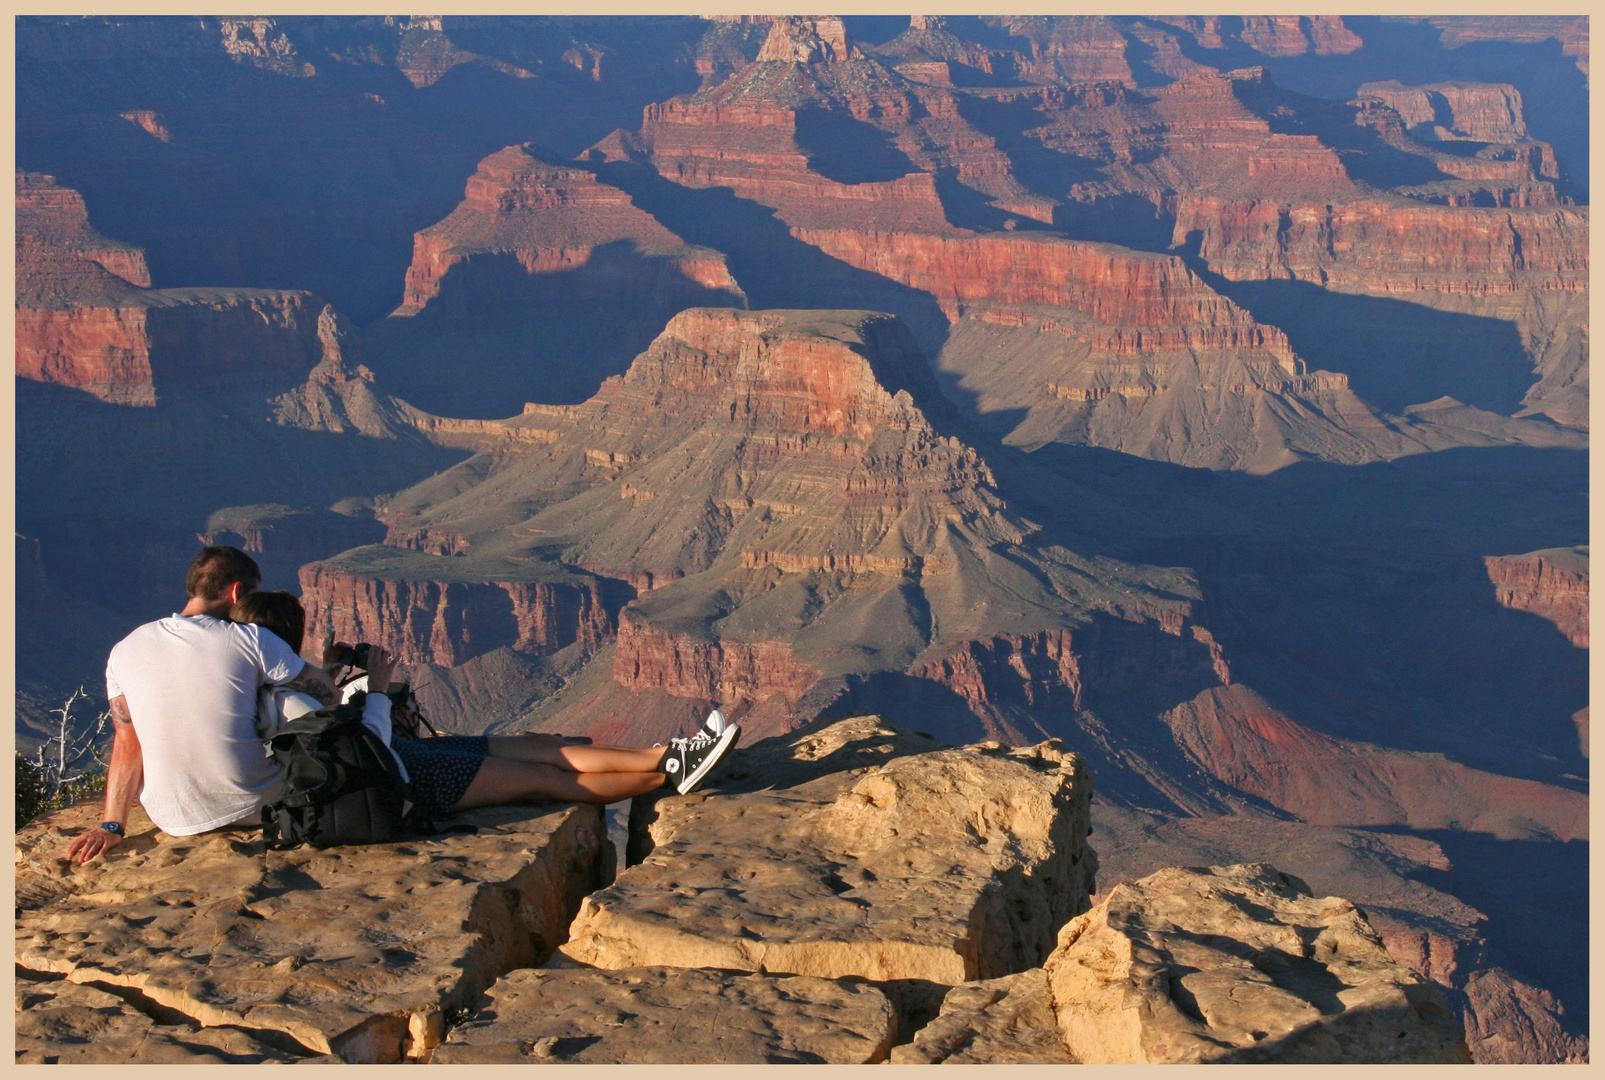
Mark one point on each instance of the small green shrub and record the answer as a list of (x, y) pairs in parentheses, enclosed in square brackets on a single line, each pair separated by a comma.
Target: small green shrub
[(34, 796), (70, 766)]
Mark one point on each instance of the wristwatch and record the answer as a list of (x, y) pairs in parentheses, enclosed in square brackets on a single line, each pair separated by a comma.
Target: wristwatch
[(113, 827)]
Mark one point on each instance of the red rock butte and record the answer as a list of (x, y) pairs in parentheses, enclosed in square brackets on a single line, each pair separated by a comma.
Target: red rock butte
[(550, 218)]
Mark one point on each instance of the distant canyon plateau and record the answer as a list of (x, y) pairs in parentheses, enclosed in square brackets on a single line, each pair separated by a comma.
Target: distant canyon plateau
[(1207, 393)]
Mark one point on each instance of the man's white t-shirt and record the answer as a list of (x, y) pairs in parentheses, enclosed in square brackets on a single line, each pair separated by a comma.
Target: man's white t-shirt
[(191, 683)]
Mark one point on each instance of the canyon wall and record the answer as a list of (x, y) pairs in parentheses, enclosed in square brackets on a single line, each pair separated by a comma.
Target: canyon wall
[(1488, 112), (1072, 670), (56, 218), (1237, 737), (450, 622), (86, 320), (1391, 248), (1149, 303), (1551, 584), (736, 673)]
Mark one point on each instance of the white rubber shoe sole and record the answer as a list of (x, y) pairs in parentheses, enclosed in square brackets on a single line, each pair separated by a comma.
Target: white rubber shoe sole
[(715, 724)]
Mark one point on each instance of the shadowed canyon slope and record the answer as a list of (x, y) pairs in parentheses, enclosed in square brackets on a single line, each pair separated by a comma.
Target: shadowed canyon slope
[(791, 518), (1207, 392)]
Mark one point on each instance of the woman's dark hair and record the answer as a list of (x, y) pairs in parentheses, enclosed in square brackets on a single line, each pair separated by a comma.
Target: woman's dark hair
[(274, 610)]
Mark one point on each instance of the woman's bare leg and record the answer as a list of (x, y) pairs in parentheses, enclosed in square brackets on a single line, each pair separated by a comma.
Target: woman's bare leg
[(500, 781), (575, 758)]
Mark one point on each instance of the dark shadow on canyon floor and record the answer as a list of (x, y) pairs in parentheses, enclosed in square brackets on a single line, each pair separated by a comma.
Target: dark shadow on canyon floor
[(847, 150), (119, 498), (498, 336), (1535, 895), (1395, 353), (1355, 599), (774, 268)]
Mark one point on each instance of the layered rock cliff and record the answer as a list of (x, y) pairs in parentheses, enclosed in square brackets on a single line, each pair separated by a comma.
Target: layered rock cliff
[(648, 658), (549, 218), (86, 320), (1390, 247), (1192, 377), (798, 398), (1551, 584), (1147, 303), (1488, 112), (56, 218), (833, 137), (434, 610)]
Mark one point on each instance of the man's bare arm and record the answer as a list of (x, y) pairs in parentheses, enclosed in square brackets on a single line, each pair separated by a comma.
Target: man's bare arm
[(315, 683), (124, 774)]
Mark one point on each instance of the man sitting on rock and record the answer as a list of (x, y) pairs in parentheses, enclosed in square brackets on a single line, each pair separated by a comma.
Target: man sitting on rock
[(183, 694)]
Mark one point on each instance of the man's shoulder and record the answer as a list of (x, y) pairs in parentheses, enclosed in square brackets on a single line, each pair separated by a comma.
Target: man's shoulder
[(186, 631), (144, 632)]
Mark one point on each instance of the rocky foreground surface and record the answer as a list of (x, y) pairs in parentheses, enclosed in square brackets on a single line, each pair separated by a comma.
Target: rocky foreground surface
[(850, 892)]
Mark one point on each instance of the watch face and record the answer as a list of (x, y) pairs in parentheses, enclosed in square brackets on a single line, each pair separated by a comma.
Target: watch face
[(112, 827)]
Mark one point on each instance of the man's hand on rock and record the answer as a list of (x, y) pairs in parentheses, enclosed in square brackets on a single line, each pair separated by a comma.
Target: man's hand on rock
[(96, 841)]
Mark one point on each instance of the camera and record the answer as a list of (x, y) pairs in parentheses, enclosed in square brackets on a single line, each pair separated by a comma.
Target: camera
[(355, 655)]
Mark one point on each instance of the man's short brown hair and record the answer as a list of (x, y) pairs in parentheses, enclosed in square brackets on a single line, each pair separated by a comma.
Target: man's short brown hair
[(218, 567)]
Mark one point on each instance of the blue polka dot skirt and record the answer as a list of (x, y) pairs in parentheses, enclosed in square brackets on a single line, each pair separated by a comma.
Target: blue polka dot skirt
[(441, 768)]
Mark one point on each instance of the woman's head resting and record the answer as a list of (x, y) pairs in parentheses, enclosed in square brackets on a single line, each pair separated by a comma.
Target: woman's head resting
[(273, 610)]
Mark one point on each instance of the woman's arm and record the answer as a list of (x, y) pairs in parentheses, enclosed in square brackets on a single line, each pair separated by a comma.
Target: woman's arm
[(314, 682), (376, 706)]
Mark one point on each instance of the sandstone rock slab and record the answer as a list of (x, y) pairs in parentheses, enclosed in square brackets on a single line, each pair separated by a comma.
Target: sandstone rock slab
[(67, 1023), (853, 848), (1007, 1021), (663, 1015), (1240, 964), (352, 951)]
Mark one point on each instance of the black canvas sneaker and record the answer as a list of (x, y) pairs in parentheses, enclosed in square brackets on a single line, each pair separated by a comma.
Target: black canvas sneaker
[(689, 761), (708, 733)]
